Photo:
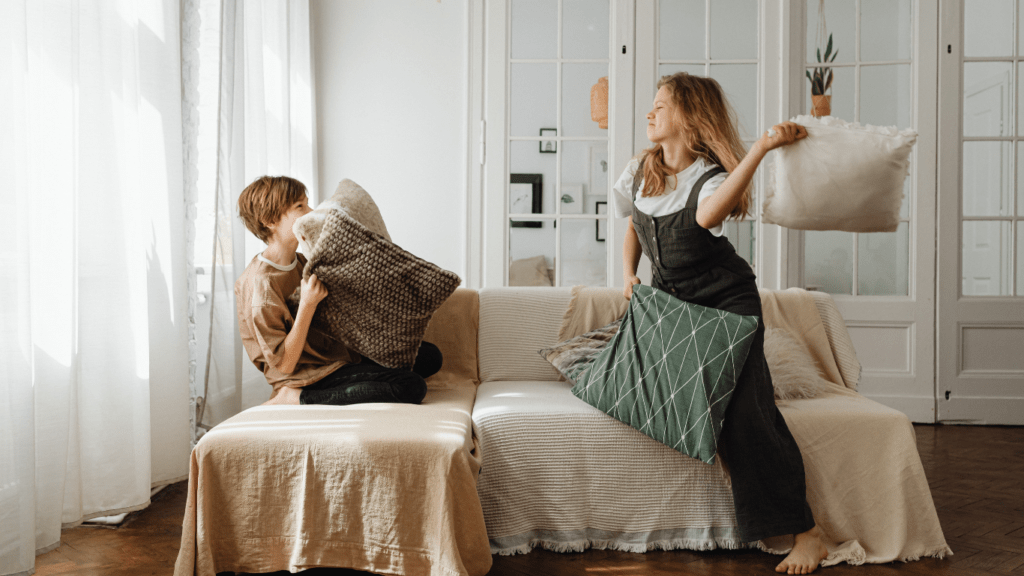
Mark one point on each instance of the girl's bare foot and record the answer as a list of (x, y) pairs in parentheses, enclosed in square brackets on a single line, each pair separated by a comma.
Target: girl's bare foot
[(285, 396), (808, 551)]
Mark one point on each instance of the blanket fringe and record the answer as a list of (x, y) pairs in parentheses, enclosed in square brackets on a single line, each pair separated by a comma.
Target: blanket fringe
[(634, 547), (854, 555), (939, 553)]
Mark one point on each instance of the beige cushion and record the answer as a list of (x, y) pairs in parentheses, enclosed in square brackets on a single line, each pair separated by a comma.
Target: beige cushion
[(379, 297), (529, 272), (514, 324), (350, 198), (794, 372)]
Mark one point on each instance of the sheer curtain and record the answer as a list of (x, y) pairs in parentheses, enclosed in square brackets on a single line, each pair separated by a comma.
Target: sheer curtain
[(256, 117), (93, 340)]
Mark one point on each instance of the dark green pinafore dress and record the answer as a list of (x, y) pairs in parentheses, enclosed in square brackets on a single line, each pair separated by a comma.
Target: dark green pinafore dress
[(764, 461)]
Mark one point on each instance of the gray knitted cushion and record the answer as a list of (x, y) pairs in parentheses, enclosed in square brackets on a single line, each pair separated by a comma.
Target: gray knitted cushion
[(379, 297)]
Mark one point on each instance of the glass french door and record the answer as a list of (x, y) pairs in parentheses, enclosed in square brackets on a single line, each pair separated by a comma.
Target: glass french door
[(557, 171), (884, 75), (981, 213)]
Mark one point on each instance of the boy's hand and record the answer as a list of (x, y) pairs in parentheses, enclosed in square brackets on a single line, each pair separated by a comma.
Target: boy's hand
[(312, 291)]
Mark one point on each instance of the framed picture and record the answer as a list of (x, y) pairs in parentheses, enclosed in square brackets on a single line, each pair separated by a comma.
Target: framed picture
[(548, 146), (525, 197), (602, 223)]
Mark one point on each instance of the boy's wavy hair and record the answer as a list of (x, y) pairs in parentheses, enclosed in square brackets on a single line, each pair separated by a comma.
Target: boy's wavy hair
[(708, 122), (266, 200)]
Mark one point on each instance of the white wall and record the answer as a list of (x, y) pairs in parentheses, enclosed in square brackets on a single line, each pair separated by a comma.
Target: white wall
[(391, 95)]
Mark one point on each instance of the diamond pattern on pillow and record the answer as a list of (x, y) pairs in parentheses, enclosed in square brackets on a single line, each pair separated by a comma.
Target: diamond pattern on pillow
[(670, 370), (379, 297)]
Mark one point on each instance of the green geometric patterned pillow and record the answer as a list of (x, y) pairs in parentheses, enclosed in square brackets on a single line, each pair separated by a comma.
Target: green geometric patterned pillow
[(670, 370)]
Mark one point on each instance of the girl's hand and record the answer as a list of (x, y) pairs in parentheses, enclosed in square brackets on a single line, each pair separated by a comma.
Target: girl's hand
[(630, 282), (781, 135), (312, 291)]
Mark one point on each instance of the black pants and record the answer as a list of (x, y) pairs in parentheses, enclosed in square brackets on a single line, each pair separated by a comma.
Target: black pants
[(769, 490), (370, 382), (765, 465)]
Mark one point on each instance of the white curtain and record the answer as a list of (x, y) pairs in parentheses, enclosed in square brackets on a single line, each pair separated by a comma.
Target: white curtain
[(93, 331), (257, 117)]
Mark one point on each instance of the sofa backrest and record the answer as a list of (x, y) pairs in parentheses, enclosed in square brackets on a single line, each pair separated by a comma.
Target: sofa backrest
[(517, 322), (454, 330), (514, 324)]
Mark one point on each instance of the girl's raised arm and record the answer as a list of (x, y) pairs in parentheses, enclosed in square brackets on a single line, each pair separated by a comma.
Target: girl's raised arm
[(714, 209)]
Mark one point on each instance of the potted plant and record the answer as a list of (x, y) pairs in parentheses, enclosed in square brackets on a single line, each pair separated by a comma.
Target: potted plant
[(821, 82)]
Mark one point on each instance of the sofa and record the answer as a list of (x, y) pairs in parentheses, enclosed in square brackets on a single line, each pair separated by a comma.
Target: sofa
[(500, 458), (560, 474)]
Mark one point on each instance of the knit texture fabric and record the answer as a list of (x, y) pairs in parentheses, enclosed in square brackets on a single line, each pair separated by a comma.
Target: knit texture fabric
[(379, 297), (573, 355)]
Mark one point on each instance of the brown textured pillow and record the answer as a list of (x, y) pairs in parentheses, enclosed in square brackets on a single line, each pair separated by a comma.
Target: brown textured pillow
[(379, 297), (575, 354)]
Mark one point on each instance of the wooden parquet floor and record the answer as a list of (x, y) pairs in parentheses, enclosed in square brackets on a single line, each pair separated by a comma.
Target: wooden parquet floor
[(976, 474)]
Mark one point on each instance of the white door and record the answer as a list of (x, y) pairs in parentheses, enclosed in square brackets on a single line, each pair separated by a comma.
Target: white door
[(883, 283), (548, 160), (980, 288)]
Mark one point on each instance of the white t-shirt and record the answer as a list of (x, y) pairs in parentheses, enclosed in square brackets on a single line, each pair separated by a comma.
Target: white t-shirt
[(672, 200)]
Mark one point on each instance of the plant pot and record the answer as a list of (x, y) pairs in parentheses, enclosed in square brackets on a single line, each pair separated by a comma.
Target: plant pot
[(821, 105)]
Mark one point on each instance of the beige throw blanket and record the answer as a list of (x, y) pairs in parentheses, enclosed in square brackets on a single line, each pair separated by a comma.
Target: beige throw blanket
[(383, 488), (865, 482)]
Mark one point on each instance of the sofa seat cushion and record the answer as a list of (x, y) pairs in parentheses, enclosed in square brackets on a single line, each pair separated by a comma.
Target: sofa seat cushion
[(561, 473), (382, 488)]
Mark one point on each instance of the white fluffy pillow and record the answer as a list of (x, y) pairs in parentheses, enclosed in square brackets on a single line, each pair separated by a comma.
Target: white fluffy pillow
[(843, 176), (794, 372)]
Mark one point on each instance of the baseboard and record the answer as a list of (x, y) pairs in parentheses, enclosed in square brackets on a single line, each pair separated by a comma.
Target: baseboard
[(920, 409)]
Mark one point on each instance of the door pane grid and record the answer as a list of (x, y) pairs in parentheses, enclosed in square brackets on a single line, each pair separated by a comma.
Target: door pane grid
[(737, 71), (991, 134), (884, 254), (561, 238)]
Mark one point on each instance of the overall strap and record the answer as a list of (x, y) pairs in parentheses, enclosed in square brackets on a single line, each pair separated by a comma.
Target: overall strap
[(691, 201), (637, 176)]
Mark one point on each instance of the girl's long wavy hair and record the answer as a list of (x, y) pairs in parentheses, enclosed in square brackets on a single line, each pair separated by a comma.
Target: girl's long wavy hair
[(708, 124)]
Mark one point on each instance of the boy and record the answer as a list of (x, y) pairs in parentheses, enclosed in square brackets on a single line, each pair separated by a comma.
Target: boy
[(304, 368)]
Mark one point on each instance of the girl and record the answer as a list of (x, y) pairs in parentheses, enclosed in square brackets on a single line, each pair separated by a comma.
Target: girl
[(676, 194)]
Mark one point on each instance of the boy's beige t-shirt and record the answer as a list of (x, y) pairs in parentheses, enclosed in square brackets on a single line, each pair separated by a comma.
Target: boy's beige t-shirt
[(264, 321)]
